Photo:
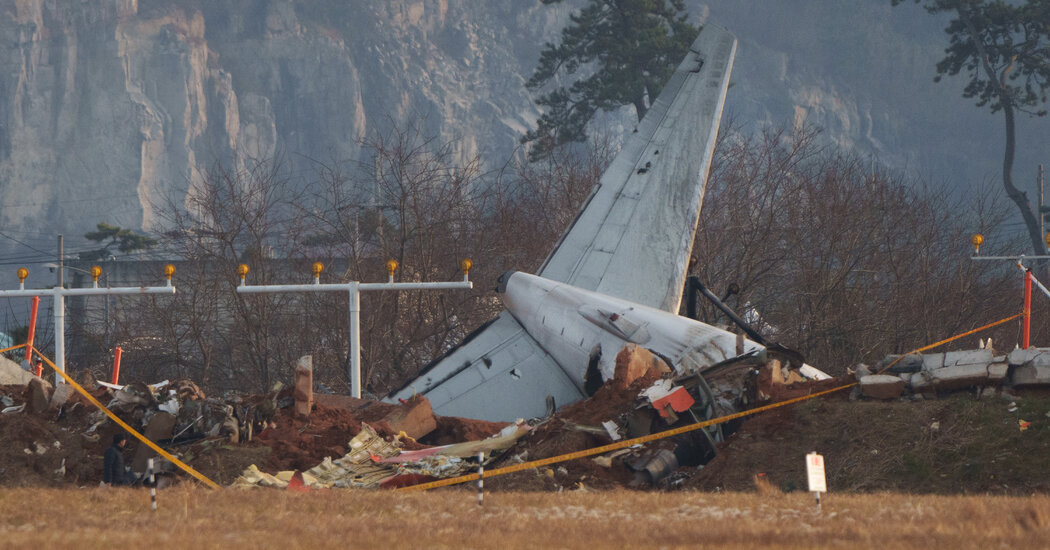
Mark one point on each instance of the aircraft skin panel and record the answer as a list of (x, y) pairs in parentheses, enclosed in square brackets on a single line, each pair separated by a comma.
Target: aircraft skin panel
[(500, 374), (653, 189)]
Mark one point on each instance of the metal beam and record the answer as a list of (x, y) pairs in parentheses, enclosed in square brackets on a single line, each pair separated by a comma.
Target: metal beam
[(354, 289)]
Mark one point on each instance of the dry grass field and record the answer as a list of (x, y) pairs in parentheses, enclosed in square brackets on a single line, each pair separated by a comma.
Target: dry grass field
[(199, 518)]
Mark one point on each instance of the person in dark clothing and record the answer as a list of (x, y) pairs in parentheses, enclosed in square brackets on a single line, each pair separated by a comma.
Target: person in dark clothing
[(113, 472)]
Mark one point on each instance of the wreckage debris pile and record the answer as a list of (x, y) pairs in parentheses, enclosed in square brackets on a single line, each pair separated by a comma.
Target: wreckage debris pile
[(54, 437), (574, 428)]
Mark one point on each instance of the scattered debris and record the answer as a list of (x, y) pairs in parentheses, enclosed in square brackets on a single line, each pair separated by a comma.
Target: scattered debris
[(339, 441)]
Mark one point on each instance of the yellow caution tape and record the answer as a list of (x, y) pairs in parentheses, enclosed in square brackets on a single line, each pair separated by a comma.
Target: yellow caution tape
[(12, 347), (673, 432), (952, 339), (535, 463), (185, 467)]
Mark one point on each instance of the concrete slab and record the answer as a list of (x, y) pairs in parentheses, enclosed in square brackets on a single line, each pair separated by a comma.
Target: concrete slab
[(968, 357), (1030, 375), (61, 394), (39, 395), (1020, 356), (11, 373), (1041, 359), (882, 386), (997, 372), (960, 376), (932, 361)]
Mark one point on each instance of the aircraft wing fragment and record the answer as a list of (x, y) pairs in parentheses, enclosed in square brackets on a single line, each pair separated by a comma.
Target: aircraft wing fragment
[(634, 236)]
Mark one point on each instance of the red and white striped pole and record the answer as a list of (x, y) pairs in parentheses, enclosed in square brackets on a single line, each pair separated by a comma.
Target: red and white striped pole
[(152, 484), (481, 478)]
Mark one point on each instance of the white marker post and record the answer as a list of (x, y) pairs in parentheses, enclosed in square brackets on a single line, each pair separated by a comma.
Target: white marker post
[(481, 478), (815, 473), (58, 294), (354, 288), (152, 485)]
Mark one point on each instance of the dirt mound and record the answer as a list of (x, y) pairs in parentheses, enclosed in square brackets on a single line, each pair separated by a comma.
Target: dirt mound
[(52, 448), (453, 429)]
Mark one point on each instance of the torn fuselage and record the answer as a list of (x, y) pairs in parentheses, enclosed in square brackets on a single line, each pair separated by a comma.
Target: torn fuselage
[(583, 331)]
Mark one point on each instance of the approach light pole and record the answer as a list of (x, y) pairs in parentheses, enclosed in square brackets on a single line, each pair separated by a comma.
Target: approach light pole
[(58, 294), (977, 240), (354, 289)]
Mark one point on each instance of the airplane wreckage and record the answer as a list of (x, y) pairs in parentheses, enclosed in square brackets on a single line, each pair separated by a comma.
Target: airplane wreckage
[(594, 331), (615, 279)]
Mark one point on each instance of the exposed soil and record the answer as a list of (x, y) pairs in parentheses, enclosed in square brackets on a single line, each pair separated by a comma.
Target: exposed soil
[(33, 446), (956, 444), (453, 429)]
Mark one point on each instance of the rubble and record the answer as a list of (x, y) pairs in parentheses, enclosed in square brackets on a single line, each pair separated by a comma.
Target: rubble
[(957, 370), (304, 385), (881, 386), (415, 419), (12, 373), (374, 462), (264, 439)]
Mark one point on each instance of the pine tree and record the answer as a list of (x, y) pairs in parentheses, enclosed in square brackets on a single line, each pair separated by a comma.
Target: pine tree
[(125, 240), (624, 50)]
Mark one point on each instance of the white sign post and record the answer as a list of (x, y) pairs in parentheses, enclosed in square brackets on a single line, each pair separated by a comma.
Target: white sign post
[(354, 289), (815, 473)]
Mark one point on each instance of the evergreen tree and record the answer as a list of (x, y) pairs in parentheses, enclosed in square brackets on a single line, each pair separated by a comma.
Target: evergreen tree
[(125, 240), (1004, 50), (628, 49)]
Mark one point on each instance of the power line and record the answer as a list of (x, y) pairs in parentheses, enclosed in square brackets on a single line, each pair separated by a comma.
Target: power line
[(27, 245), (71, 201)]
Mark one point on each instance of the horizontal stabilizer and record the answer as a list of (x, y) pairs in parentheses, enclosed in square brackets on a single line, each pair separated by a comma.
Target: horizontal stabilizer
[(499, 373)]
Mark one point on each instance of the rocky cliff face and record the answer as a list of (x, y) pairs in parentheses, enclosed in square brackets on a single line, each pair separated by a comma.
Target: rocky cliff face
[(110, 108)]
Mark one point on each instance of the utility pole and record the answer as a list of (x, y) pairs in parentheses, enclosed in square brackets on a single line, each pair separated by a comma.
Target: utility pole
[(354, 288), (1042, 208), (59, 307)]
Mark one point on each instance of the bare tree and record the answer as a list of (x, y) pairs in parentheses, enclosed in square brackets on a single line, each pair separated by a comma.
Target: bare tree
[(839, 261)]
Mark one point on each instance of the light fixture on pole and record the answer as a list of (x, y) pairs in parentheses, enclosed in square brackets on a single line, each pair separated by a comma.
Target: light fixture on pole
[(1029, 280), (58, 294), (354, 289)]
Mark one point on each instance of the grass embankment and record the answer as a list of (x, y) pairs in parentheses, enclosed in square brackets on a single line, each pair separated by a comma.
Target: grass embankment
[(954, 445), (199, 518)]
